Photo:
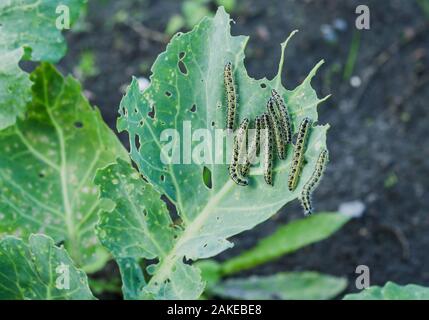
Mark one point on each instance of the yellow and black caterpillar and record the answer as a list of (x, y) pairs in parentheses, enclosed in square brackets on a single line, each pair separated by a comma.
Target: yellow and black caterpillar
[(298, 154), (231, 96), (239, 148), (254, 147), (314, 180), (267, 143), (281, 123), (273, 128)]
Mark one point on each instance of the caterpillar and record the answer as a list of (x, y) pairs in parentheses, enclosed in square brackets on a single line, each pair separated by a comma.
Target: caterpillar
[(278, 129), (298, 155), (285, 122), (230, 95), (313, 182), (238, 146), (254, 147), (268, 148)]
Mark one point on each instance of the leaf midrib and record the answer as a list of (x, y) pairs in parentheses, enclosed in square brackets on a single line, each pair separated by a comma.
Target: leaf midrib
[(168, 262), (63, 168)]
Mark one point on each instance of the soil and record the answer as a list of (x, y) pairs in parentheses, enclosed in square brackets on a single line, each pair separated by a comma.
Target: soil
[(378, 137)]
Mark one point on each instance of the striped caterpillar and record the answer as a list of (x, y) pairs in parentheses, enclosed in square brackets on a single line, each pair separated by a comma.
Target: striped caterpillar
[(276, 125), (268, 148), (283, 118), (239, 148), (313, 182), (230, 95), (263, 133), (254, 147), (298, 155), (277, 129)]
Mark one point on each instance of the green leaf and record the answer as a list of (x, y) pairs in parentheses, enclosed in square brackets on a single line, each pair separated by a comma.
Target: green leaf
[(209, 215), (132, 278), (15, 87), (211, 272), (284, 286), (30, 26), (39, 270), (287, 239), (48, 162), (391, 291), (139, 225)]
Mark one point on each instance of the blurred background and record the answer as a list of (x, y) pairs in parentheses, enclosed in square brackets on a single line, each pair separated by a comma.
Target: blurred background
[(378, 112)]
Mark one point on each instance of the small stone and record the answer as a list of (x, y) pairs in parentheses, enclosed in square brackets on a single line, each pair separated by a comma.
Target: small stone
[(328, 33), (355, 82), (354, 209), (340, 24)]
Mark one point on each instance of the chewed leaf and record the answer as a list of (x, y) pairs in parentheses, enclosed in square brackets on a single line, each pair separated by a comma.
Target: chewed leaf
[(48, 161), (15, 87), (39, 270), (139, 226), (33, 27), (36, 25), (186, 96)]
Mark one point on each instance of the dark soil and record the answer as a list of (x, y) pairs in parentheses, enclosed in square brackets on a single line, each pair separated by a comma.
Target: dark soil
[(378, 136)]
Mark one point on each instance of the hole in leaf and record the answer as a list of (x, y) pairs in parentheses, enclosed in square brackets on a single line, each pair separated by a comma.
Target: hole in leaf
[(207, 177), (263, 85), (213, 123), (137, 142), (141, 123), (60, 243), (186, 261), (162, 178), (182, 67), (78, 124), (41, 175), (182, 55), (194, 108), (152, 112), (171, 208), (168, 93)]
